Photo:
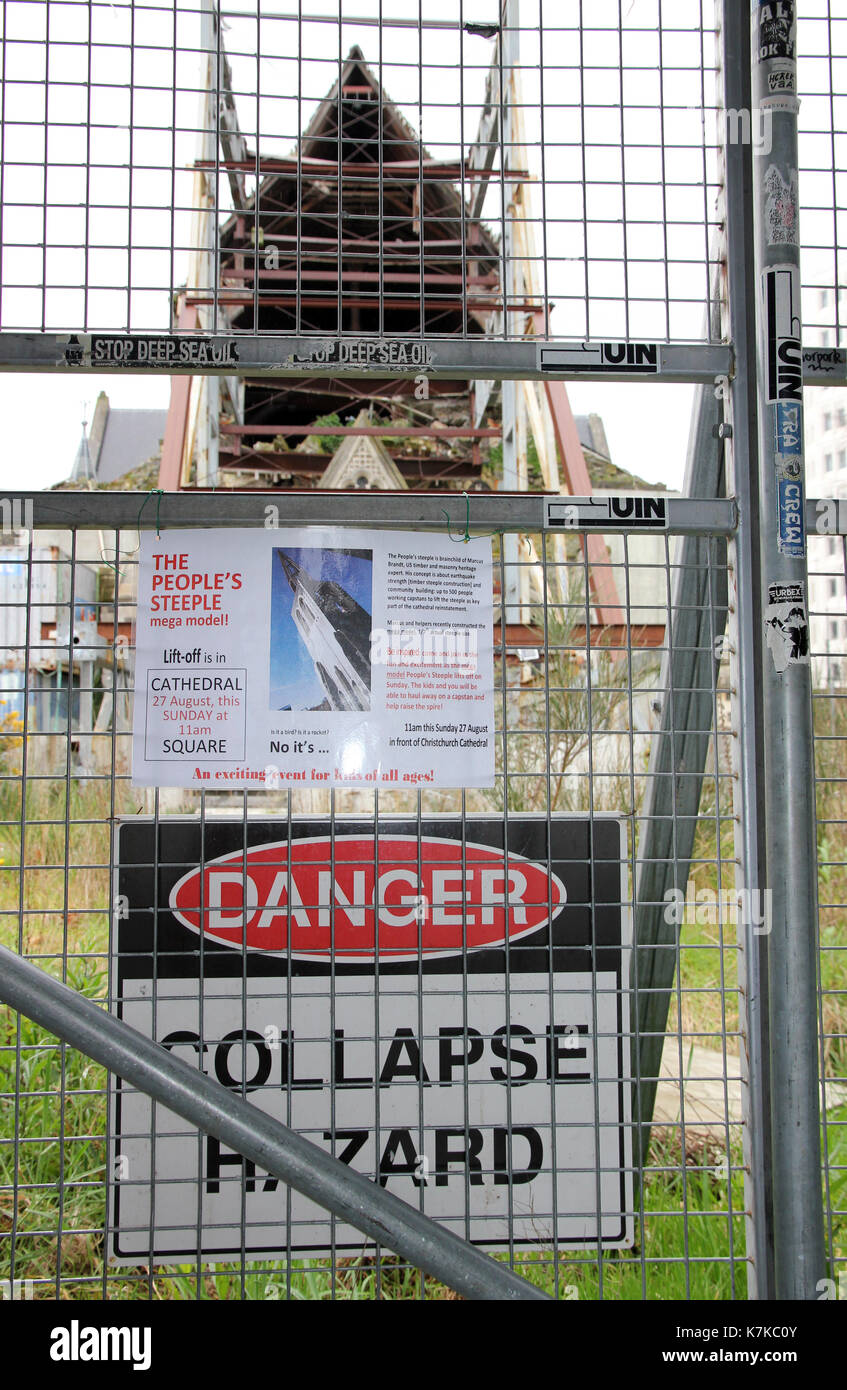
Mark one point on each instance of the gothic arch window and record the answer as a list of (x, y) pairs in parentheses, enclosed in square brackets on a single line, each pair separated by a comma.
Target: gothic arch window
[(346, 686), (335, 696)]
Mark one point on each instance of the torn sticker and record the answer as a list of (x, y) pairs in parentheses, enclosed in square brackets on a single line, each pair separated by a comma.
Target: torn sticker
[(789, 427), (781, 207), (781, 101), (774, 29), (787, 466), (791, 534), (787, 626), (76, 350)]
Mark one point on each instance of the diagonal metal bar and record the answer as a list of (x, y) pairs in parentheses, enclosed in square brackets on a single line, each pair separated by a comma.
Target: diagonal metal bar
[(248, 1131), (698, 614)]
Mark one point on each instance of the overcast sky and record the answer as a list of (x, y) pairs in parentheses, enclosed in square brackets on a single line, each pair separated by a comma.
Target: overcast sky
[(625, 254)]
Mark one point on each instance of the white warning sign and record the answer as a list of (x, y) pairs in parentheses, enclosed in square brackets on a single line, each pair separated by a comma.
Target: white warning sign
[(442, 1008)]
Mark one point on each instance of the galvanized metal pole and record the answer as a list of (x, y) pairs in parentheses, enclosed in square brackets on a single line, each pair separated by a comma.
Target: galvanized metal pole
[(745, 608), (696, 616), (788, 744), (249, 1131)]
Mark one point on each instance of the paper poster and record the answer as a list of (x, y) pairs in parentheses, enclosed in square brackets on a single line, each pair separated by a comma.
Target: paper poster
[(787, 626), (313, 657)]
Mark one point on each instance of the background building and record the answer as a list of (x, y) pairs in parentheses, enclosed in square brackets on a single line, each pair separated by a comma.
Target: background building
[(826, 476)]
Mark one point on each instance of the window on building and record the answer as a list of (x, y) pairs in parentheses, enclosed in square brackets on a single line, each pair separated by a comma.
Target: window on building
[(833, 587), (827, 421), (833, 632), (842, 458), (842, 416), (827, 462)]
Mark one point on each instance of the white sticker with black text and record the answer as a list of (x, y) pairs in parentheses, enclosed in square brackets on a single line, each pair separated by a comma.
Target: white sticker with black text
[(641, 511), (783, 351), (636, 359), (787, 625)]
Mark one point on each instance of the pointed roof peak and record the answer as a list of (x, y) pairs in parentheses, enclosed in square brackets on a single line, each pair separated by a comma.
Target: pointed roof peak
[(363, 461), (83, 469), (397, 128)]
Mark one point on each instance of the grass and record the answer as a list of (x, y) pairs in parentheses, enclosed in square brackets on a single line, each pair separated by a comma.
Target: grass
[(62, 1188), (54, 1197), (830, 716)]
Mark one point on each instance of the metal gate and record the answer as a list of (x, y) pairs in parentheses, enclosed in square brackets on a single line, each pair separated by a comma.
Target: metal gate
[(649, 681)]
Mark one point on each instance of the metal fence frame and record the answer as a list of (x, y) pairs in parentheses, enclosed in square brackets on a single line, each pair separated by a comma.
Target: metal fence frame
[(700, 527), (732, 450)]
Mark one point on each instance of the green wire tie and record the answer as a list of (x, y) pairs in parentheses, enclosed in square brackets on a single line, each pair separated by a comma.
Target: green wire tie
[(158, 493), (463, 540)]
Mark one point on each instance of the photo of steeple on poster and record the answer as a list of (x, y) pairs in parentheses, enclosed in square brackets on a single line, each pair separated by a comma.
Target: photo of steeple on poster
[(321, 615)]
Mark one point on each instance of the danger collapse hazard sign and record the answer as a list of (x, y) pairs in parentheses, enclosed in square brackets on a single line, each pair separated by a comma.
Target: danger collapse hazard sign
[(443, 1009)]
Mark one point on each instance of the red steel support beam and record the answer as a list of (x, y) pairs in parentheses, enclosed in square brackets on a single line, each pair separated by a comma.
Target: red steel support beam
[(601, 576), (404, 250), (431, 300), (370, 431), (403, 170), (173, 444), (355, 392), (433, 281)]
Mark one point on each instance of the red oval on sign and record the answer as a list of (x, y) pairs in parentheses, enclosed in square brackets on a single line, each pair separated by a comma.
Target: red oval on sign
[(418, 899)]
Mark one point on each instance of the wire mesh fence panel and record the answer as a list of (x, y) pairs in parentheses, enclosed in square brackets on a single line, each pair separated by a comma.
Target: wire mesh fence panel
[(309, 209), (827, 646), (304, 172), (494, 1089), (822, 59), (399, 170)]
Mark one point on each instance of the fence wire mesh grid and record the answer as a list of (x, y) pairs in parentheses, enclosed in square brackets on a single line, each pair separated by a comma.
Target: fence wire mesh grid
[(291, 171), (326, 164), (254, 172), (827, 611), (578, 726)]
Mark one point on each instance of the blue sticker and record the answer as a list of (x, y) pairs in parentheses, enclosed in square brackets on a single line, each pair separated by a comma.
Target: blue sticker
[(792, 538), (789, 428)]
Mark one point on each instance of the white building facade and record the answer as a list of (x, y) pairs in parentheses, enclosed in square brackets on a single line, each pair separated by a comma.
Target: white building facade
[(826, 477)]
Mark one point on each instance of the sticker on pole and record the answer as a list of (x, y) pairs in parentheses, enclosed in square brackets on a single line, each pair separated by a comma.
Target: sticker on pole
[(780, 206), (783, 353), (787, 626), (634, 359), (372, 353), (165, 352), (774, 29), (441, 1008), (641, 511), (789, 427), (791, 525)]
